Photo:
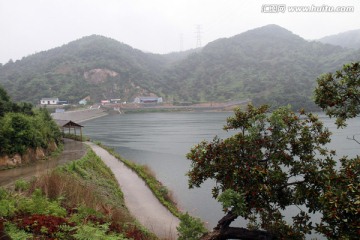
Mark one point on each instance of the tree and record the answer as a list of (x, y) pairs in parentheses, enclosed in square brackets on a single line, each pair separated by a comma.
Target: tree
[(273, 162), (340, 202), (339, 94), (190, 228), (5, 103), (21, 127)]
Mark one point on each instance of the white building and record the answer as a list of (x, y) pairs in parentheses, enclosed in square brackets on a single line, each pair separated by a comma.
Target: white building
[(148, 100), (49, 101)]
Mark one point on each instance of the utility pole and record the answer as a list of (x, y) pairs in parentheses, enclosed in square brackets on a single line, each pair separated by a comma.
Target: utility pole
[(198, 36)]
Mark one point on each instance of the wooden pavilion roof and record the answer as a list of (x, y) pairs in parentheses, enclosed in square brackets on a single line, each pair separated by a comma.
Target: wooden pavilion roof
[(67, 124)]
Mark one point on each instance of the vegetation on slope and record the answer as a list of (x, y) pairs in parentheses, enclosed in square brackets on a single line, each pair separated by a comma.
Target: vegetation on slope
[(80, 200), (61, 71), (22, 127), (268, 65)]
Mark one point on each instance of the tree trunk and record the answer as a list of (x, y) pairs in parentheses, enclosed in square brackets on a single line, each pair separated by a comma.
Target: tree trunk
[(223, 231)]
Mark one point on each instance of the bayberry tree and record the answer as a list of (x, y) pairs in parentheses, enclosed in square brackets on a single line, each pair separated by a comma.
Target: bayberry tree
[(273, 161), (339, 95)]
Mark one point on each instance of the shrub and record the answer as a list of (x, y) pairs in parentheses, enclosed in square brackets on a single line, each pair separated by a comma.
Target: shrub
[(190, 228), (21, 185)]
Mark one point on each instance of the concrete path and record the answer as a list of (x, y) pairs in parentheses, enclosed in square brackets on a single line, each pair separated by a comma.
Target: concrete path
[(140, 201)]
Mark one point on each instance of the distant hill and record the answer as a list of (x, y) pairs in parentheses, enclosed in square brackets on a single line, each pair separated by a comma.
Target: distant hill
[(93, 66), (268, 65), (349, 39)]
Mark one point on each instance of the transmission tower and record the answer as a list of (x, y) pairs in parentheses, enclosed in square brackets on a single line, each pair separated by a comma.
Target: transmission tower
[(198, 36)]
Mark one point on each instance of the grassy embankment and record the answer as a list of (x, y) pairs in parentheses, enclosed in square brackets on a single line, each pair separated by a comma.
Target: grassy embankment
[(159, 190), (79, 200)]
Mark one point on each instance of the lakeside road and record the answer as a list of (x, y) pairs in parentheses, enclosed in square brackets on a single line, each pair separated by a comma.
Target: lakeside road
[(139, 199)]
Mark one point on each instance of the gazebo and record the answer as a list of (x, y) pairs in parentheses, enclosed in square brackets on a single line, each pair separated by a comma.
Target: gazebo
[(68, 124)]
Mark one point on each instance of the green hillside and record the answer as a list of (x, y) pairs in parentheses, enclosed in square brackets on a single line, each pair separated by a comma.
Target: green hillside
[(96, 66), (267, 64)]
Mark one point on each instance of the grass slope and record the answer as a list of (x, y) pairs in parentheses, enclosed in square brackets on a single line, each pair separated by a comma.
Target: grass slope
[(80, 200)]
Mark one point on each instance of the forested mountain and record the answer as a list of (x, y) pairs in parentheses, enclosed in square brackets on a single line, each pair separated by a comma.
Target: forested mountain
[(267, 64), (97, 66), (349, 39)]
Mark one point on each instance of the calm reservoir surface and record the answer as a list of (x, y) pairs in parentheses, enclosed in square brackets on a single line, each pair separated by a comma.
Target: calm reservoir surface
[(161, 141)]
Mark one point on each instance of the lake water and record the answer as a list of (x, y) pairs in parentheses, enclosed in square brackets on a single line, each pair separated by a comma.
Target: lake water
[(161, 141)]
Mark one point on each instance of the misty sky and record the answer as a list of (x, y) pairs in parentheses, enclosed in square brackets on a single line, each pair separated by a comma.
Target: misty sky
[(158, 26)]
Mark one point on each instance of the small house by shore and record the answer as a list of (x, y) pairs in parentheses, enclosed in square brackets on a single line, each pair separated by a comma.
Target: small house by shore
[(49, 101), (148, 100)]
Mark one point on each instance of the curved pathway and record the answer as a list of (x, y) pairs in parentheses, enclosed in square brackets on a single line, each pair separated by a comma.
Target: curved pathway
[(139, 199)]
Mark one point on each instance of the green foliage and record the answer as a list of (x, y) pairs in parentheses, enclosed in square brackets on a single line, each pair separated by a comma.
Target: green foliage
[(22, 128), (39, 204), (5, 104), (89, 232), (21, 185), (341, 202), (93, 170), (338, 93), (190, 228), (84, 212), (18, 132), (16, 233), (233, 200), (7, 204), (273, 160)]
